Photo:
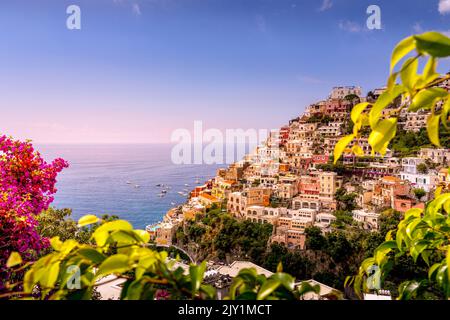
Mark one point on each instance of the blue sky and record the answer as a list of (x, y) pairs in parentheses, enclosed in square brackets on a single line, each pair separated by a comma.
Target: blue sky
[(139, 69)]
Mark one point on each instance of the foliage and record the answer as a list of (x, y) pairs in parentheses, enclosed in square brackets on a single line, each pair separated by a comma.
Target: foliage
[(118, 249), (27, 184), (422, 235), (422, 168), (419, 193), (345, 201), (58, 223), (321, 118), (418, 92)]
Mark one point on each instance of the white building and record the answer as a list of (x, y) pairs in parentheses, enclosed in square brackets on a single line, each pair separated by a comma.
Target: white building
[(425, 181), (342, 92), (369, 220)]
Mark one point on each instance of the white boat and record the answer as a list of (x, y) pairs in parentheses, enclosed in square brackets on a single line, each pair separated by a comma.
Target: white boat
[(128, 182), (186, 185), (161, 195), (180, 193), (173, 203), (164, 191), (137, 186)]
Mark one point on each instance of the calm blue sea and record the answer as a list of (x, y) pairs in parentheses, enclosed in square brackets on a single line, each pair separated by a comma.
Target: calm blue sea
[(96, 181)]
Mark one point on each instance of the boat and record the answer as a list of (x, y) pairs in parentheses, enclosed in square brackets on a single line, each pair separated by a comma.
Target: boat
[(164, 191), (137, 186), (173, 203), (159, 185), (197, 181), (128, 182), (161, 195), (186, 185), (180, 193)]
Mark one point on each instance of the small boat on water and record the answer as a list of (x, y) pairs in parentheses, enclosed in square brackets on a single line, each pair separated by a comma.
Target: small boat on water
[(164, 191), (173, 203), (159, 185), (186, 185), (197, 181), (161, 195), (180, 193), (128, 182), (137, 186)]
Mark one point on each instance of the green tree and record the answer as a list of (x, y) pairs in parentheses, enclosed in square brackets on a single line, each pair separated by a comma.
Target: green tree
[(419, 193), (423, 234), (314, 238)]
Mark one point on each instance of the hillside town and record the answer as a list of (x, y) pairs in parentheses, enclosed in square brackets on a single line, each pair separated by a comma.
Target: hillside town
[(290, 181)]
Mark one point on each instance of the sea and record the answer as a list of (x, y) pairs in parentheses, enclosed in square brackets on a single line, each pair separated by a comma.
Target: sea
[(122, 180)]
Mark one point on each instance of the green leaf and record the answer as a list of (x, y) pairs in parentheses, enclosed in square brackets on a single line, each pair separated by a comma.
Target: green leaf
[(383, 101), (101, 234), (92, 255), (426, 98), (433, 129), (409, 73), (87, 219), (341, 145), (56, 243), (447, 260), (237, 282), (117, 263), (13, 260), (417, 249), (305, 288), (429, 72), (280, 267), (196, 273), (357, 150), (144, 235), (432, 271), (285, 279), (267, 288), (407, 289), (401, 50), (51, 275), (434, 43), (382, 134), (357, 110)]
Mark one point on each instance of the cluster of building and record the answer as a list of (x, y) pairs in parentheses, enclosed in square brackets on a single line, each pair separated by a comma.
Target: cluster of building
[(288, 181)]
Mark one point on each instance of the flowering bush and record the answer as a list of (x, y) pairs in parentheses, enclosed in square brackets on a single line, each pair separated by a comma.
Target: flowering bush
[(27, 184)]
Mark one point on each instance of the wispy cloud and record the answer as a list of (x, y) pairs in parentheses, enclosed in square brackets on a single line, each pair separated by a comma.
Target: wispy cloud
[(444, 6), (326, 5), (136, 9), (350, 26), (309, 79), (417, 27)]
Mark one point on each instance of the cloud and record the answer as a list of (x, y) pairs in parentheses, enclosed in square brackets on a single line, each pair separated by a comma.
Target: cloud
[(309, 79), (136, 9), (417, 27), (444, 6), (326, 5), (350, 26)]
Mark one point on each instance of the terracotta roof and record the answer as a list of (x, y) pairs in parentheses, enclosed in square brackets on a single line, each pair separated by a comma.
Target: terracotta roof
[(391, 178), (208, 196)]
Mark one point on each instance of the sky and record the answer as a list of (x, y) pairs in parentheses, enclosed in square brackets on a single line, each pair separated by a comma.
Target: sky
[(139, 69)]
